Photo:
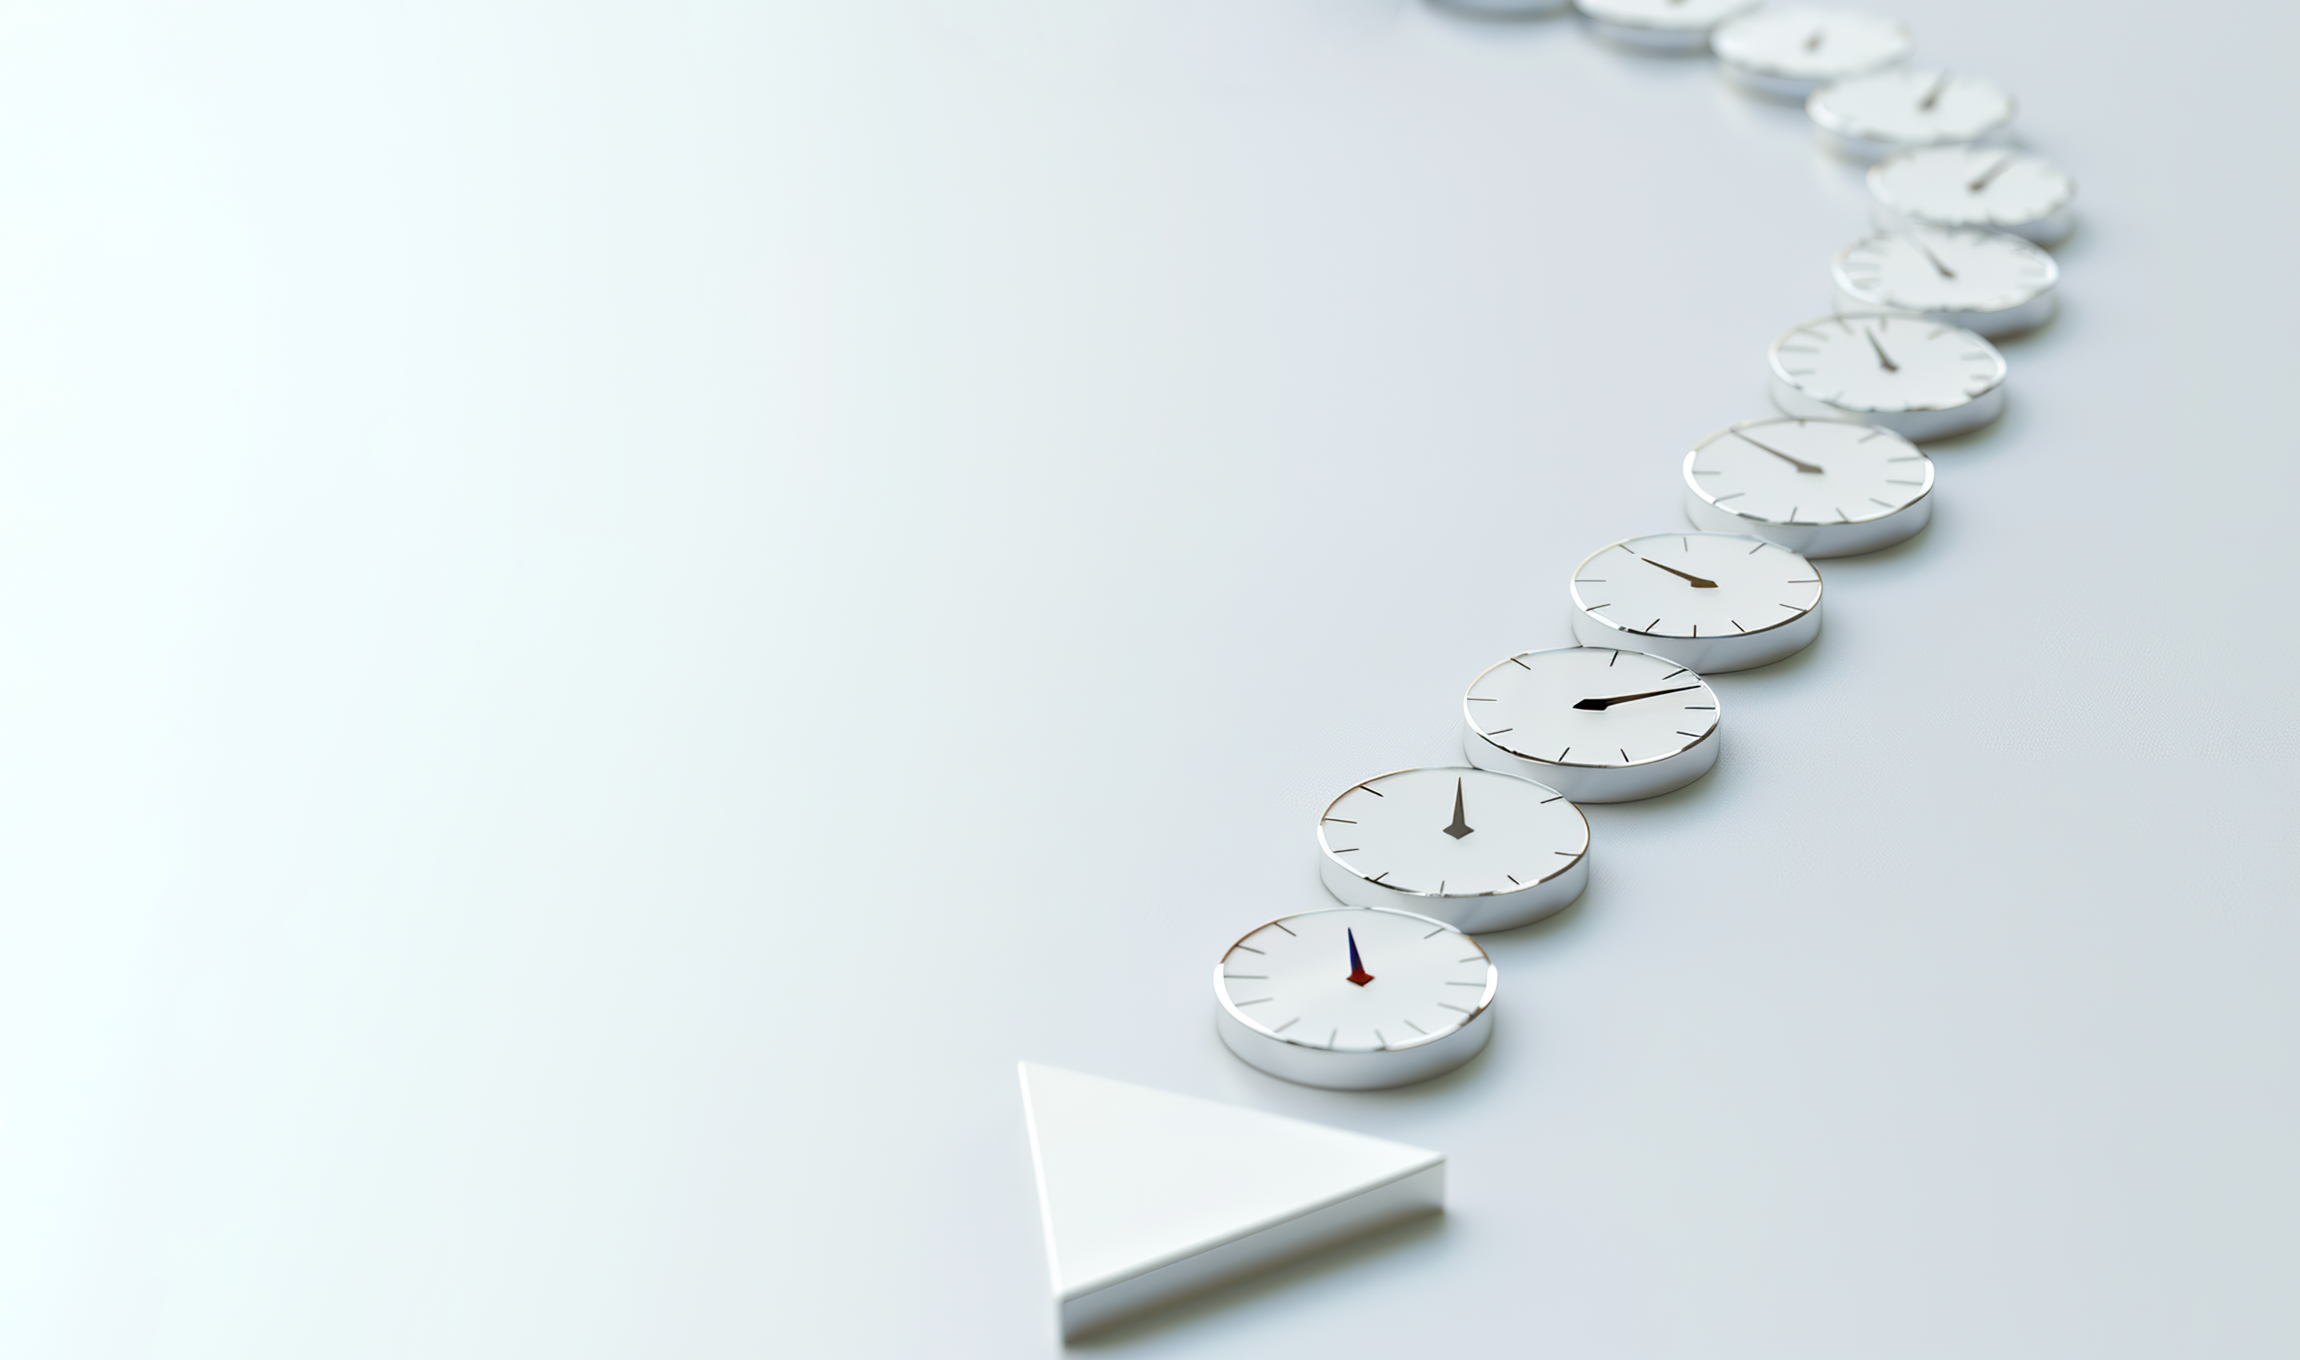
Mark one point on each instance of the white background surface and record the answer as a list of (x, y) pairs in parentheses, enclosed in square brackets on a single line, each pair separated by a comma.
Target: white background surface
[(608, 610)]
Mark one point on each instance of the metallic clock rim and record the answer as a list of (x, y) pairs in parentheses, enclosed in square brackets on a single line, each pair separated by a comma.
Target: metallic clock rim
[(1838, 124), (1365, 1069), (1484, 998)]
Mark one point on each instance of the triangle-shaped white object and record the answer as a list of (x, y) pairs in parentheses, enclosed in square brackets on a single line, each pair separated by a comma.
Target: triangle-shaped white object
[(1148, 1196)]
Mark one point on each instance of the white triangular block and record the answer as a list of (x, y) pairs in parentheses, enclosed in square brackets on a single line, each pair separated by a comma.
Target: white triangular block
[(1148, 1196)]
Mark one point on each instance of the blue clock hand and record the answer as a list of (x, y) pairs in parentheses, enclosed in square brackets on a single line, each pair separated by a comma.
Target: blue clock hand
[(1358, 973)]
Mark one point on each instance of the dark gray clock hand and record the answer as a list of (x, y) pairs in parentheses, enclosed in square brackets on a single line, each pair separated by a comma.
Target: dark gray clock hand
[(1699, 582), (1882, 357), (1986, 175), (1933, 95), (1460, 827), (1600, 705), (1813, 44), (1946, 272), (1801, 464)]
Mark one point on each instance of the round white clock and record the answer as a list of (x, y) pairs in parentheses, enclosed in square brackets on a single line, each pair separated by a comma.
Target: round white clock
[(1355, 998), (1920, 379), (1475, 849), (1670, 25), (1598, 724), (1821, 488), (1876, 115), (1989, 282), (1788, 53), (1713, 602), (1975, 186)]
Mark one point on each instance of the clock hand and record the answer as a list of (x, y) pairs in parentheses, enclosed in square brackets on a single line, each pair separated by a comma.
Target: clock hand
[(1801, 464), (1813, 44), (1933, 95), (1460, 827), (1358, 973), (1946, 272), (1882, 357), (1600, 705), (1986, 175), (1699, 582)]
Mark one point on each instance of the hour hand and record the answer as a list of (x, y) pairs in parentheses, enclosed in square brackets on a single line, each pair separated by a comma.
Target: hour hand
[(1800, 464), (1600, 705), (1884, 360), (1699, 582)]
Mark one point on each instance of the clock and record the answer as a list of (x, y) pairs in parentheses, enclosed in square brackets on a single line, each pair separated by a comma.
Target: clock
[(1975, 186), (1989, 282), (1355, 998), (1469, 847), (1598, 724), (1820, 488), (1920, 379), (1875, 115), (1788, 53), (1667, 25), (1713, 602)]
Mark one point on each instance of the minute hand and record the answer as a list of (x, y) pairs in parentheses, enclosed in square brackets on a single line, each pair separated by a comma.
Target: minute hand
[(1600, 705), (1699, 582)]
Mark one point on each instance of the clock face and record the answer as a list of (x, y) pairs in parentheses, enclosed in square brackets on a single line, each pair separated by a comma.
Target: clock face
[(1807, 472), (1976, 186), (1974, 278), (1695, 585), (1798, 49), (1868, 365), (1903, 108), (1587, 713), (1476, 849), (1356, 979)]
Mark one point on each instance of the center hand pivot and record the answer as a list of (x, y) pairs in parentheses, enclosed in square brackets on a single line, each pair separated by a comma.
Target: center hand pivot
[(1600, 705)]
